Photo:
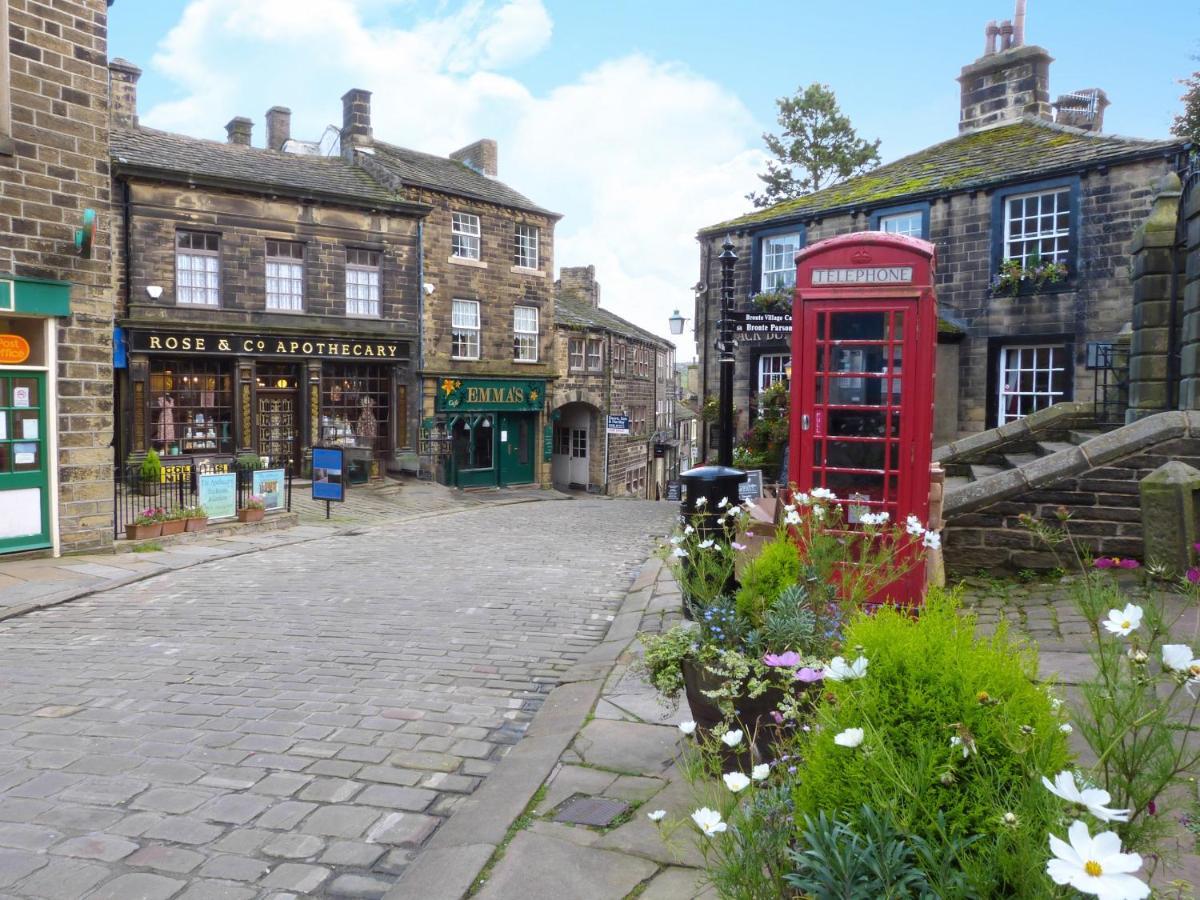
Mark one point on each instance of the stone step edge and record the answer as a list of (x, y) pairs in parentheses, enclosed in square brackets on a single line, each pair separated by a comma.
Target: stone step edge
[(1052, 417)]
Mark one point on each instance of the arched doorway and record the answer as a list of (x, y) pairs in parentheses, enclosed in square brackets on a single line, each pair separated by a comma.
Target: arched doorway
[(575, 447)]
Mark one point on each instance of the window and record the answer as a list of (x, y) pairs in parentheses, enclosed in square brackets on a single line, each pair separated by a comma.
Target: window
[(909, 223), (618, 354), (637, 419), (464, 235), (525, 246), (575, 347), (635, 481), (579, 443), (1031, 377), (356, 403), (525, 333), (362, 282), (779, 262), (471, 441), (191, 406), (772, 367), (464, 331), (285, 276), (595, 355), (1038, 227), (197, 268), (562, 440)]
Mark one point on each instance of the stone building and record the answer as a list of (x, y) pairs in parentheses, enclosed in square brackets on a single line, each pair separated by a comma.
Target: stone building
[(269, 297), (610, 368), (1032, 209), (56, 298)]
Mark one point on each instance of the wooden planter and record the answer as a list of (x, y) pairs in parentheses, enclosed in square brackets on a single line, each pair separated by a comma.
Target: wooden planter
[(196, 524), (141, 532), (251, 515), (173, 526)]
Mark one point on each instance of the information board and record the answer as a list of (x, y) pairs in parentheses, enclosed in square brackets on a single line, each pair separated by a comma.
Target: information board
[(547, 443), (618, 424), (675, 490), (217, 493), (269, 484), (328, 471), (752, 487)]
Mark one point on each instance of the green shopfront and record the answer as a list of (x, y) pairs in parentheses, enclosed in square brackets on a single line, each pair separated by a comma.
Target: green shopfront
[(29, 309), (493, 430)]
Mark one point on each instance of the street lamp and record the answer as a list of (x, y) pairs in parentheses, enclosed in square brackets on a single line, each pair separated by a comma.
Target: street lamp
[(676, 322)]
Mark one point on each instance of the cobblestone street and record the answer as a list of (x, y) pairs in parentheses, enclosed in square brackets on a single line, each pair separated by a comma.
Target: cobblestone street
[(298, 721)]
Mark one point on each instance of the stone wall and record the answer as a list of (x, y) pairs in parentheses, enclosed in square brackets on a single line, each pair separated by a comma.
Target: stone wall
[(59, 167), (1189, 284)]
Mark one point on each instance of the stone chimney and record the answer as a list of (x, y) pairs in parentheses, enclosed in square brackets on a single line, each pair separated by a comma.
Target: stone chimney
[(356, 118), (122, 91), (1008, 81), (482, 156), (1082, 109), (579, 282), (279, 127), (238, 128)]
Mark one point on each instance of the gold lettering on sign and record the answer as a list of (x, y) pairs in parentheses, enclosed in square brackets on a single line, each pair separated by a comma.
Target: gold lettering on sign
[(248, 345), (223, 344), (246, 429), (314, 411), (155, 342), (139, 415)]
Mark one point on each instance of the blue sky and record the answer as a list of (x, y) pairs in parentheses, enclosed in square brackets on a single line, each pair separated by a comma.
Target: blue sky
[(640, 121)]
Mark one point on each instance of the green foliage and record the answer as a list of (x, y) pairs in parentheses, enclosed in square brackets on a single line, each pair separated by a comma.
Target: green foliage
[(151, 467), (751, 861), (1187, 123), (931, 680), (790, 623), (710, 411), (249, 461), (1034, 275), (765, 577), (664, 656), (762, 446), (817, 147)]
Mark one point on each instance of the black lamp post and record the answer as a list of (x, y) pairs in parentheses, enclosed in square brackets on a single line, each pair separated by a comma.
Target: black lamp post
[(725, 360)]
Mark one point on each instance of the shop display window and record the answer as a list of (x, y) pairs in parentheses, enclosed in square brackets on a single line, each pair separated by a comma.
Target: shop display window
[(191, 406), (356, 403)]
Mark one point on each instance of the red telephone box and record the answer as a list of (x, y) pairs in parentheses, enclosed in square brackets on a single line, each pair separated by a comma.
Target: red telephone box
[(863, 347)]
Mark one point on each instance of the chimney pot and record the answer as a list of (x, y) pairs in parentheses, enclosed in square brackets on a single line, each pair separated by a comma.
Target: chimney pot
[(1019, 25), (482, 156), (1006, 33), (356, 118), (238, 129), (991, 31), (279, 127), (122, 91)]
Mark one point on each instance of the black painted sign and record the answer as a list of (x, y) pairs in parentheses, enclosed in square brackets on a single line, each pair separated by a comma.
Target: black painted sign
[(225, 344), (752, 487)]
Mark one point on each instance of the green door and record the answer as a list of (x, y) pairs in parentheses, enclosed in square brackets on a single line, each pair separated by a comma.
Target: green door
[(24, 472), (516, 447)]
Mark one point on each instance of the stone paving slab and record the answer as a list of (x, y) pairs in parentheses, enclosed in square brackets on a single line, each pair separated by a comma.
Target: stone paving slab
[(538, 867)]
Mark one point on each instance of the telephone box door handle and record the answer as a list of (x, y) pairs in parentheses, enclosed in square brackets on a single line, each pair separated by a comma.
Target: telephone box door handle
[(804, 422)]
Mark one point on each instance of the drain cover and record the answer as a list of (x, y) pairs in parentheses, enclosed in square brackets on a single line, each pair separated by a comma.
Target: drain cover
[(596, 811)]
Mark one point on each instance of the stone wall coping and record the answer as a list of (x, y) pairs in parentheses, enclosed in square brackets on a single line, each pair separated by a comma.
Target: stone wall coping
[(1059, 415)]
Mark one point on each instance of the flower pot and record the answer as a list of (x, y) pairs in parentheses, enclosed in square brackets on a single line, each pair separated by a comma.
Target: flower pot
[(173, 526), (753, 714), (196, 524), (141, 532), (251, 515)]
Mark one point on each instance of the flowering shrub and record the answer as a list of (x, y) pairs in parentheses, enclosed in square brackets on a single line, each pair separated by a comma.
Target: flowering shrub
[(254, 501), (150, 515)]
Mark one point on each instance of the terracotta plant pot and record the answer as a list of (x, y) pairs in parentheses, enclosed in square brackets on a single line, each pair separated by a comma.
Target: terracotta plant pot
[(251, 515), (141, 532), (196, 524), (173, 526)]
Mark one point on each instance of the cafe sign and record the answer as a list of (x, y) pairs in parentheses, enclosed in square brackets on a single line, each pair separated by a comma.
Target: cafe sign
[(220, 344), (14, 349), (468, 394)]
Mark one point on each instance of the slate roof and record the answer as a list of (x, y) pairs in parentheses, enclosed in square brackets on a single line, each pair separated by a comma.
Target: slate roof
[(1010, 152), (439, 173), (166, 152), (573, 312)]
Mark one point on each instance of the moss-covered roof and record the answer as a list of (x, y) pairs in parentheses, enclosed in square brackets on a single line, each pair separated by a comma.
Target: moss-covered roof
[(1014, 151), (576, 313)]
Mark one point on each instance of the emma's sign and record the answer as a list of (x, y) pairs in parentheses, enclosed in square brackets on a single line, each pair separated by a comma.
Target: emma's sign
[(863, 275), (264, 345)]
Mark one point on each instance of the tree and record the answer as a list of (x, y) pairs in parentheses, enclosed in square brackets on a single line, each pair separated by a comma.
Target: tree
[(818, 147), (1187, 123)]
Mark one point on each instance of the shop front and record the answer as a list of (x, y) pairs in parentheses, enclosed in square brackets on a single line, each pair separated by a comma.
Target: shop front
[(492, 428), (28, 411), (203, 396)]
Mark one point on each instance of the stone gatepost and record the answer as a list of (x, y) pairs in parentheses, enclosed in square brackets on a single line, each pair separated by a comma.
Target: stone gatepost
[(1152, 265), (1189, 277), (1171, 515)]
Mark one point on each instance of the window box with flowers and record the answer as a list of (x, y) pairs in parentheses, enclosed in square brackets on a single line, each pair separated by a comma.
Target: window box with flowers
[(1033, 277), (254, 510), (174, 521), (147, 524), (197, 518)]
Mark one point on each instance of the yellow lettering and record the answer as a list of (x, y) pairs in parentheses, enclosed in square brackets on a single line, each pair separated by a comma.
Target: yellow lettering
[(171, 343), (379, 348), (155, 342), (345, 349), (307, 348), (281, 347), (472, 395), (392, 350), (295, 345), (223, 344), (247, 345), (368, 350), (199, 343), (357, 349), (520, 392)]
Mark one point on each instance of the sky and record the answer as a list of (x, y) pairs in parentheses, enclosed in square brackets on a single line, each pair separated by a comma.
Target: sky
[(640, 121)]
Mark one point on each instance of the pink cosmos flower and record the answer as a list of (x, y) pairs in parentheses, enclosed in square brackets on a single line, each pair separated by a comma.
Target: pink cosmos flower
[(788, 658), (808, 676), (1116, 562), (775, 714), (1193, 575)]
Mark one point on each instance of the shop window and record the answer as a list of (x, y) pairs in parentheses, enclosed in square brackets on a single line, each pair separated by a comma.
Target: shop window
[(595, 356), (525, 333), (525, 246), (575, 352), (464, 235), (285, 276), (1031, 377), (197, 268), (464, 331), (471, 442), (778, 254), (356, 404), (191, 406), (362, 282)]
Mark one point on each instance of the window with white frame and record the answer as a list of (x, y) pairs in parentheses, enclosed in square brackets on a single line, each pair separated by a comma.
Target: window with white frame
[(362, 282), (772, 367), (575, 350), (911, 223), (285, 276), (1037, 227), (779, 262), (525, 246), (464, 235), (619, 358), (464, 329), (197, 268), (1031, 377), (525, 333), (595, 355)]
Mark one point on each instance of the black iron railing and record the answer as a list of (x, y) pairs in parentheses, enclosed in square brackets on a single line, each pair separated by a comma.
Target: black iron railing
[(1110, 391)]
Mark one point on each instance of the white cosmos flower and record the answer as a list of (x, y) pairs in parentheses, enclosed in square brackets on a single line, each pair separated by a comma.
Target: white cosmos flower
[(760, 772), (821, 493), (957, 741), (818, 512), (1065, 728), (870, 518), (722, 503), (792, 518), (1093, 799), (735, 781), (932, 540), (803, 499), (657, 816), (700, 502), (1096, 865), (839, 670), (679, 553), (1055, 704), (1123, 621), (732, 738), (708, 821), (676, 541), (851, 737), (688, 530), (749, 504), (688, 727), (1178, 657), (706, 543), (913, 526)]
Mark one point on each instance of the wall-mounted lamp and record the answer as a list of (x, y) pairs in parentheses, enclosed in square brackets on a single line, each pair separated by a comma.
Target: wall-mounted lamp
[(676, 322), (154, 290), (430, 287)]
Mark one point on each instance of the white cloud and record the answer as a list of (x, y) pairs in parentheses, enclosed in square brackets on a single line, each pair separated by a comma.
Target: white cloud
[(637, 153)]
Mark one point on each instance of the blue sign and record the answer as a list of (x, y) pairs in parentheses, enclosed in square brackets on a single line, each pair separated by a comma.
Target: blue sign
[(618, 424), (217, 493), (269, 484), (328, 468)]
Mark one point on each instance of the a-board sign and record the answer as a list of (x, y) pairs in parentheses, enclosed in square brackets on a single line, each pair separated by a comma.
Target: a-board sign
[(217, 493), (675, 490), (328, 473), (269, 484), (618, 424), (752, 487)]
